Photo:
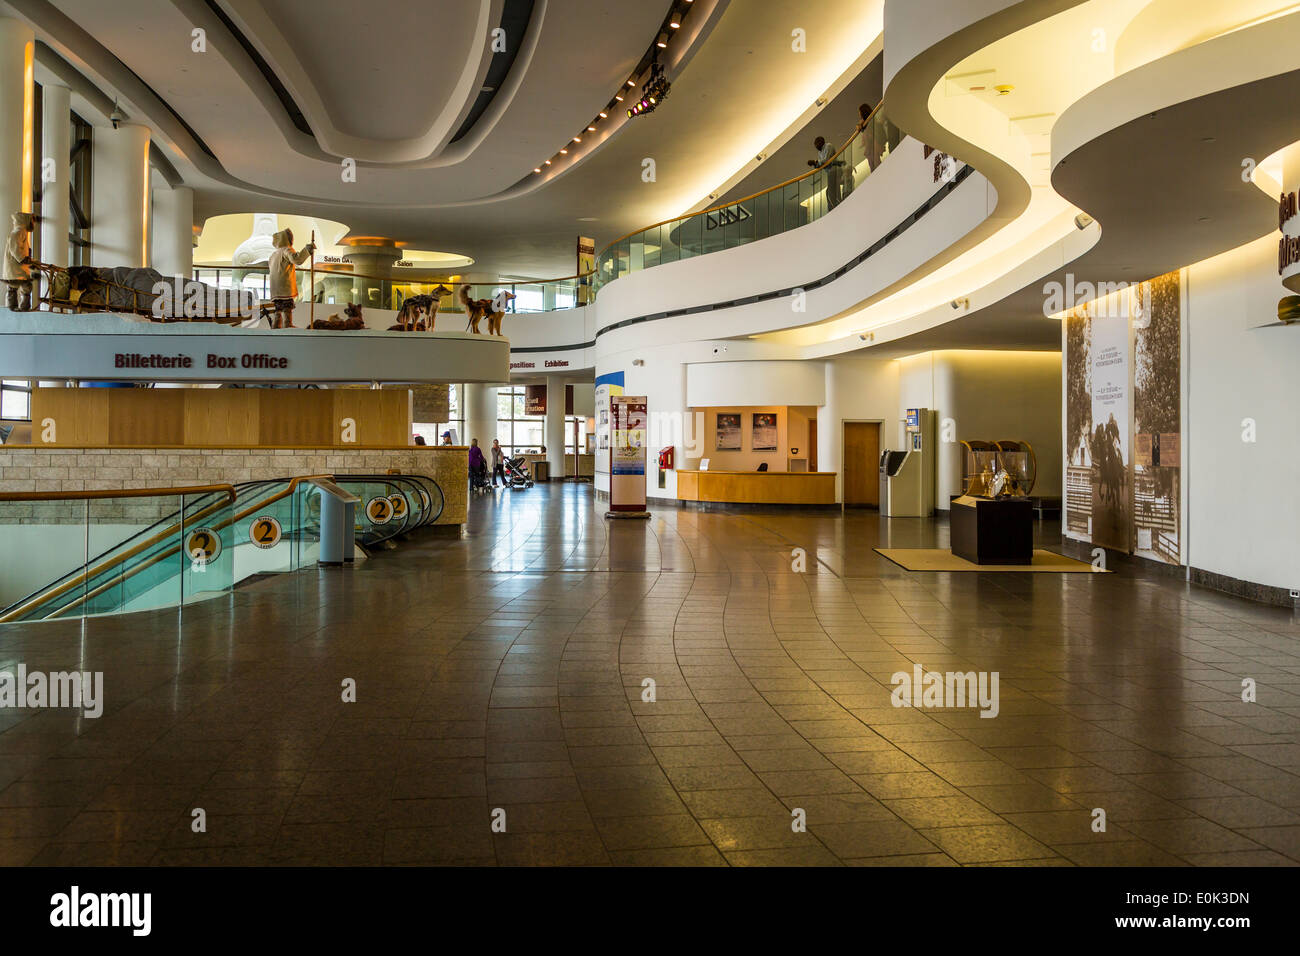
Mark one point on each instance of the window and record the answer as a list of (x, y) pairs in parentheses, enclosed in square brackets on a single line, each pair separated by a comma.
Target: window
[(518, 432), (431, 432), (16, 399)]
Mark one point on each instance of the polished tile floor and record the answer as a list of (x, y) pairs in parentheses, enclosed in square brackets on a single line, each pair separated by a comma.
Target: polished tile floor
[(504, 672)]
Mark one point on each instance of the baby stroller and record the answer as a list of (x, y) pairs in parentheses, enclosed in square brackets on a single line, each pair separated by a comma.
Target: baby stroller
[(478, 479), (517, 473)]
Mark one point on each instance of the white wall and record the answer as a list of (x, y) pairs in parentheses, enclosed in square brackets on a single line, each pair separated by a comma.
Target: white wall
[(1243, 511), (858, 388), (755, 383), (989, 395)]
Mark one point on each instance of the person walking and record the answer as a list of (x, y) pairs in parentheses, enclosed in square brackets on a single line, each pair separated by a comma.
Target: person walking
[(498, 463), (477, 463)]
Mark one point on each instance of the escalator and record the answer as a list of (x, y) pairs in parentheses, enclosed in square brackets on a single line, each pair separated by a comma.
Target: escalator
[(168, 550)]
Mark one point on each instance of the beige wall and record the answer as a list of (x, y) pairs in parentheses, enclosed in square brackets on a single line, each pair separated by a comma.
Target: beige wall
[(792, 423), (990, 395)]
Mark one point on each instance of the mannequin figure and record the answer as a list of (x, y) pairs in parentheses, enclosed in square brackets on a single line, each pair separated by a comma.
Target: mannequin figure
[(284, 280), (17, 264)]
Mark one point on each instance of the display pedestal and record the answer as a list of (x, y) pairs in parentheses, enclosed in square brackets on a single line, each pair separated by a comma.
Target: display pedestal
[(993, 530)]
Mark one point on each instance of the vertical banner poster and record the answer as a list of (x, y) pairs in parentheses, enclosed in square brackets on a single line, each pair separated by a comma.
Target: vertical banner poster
[(764, 432), (1157, 422), (1111, 410), (608, 386), (629, 424), (586, 269)]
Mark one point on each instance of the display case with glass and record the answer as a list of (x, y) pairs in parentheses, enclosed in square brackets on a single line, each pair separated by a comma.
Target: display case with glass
[(998, 469)]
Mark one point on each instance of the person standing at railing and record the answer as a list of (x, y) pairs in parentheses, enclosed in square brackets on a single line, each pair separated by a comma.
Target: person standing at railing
[(832, 167), (867, 130), (284, 276)]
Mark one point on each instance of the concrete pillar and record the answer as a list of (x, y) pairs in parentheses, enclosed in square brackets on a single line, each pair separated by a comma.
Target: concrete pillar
[(173, 231), (555, 425), (120, 204), (17, 105), (480, 415), (56, 174)]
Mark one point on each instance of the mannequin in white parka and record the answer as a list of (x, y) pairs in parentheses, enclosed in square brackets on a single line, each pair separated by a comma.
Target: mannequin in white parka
[(284, 278)]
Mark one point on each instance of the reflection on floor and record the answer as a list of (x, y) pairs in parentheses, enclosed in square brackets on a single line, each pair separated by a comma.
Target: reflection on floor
[(505, 670)]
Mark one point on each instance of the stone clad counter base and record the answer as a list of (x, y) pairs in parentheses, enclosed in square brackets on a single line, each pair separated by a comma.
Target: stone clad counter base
[(37, 468)]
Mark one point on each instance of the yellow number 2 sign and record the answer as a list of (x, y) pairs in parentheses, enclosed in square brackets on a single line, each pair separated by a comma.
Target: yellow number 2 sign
[(203, 545), (265, 532), (379, 510)]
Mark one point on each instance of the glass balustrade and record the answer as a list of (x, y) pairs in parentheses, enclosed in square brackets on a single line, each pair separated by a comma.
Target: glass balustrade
[(109, 553)]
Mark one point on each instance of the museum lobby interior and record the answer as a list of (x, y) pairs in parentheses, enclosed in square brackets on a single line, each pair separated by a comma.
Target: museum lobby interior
[(691, 433)]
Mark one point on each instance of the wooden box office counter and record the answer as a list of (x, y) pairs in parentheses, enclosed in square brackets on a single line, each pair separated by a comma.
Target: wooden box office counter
[(757, 487)]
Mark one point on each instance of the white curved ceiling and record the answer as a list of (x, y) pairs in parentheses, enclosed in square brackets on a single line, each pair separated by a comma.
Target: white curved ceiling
[(388, 83)]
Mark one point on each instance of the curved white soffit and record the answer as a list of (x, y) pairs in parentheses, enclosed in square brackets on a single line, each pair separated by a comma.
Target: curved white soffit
[(261, 30), (1233, 59)]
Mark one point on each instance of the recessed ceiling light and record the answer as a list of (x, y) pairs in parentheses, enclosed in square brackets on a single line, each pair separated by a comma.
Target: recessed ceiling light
[(631, 82), (662, 41), (587, 219), (577, 139), (604, 115), (591, 129), (674, 24), (538, 169), (548, 162), (619, 97), (564, 152)]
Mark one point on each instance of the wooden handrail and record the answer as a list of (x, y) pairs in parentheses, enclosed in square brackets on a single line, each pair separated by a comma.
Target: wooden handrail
[(118, 493)]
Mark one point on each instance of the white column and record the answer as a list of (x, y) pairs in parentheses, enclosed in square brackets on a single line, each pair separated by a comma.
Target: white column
[(555, 426), (173, 231), (17, 49), (120, 205), (830, 430), (55, 173), (480, 415)]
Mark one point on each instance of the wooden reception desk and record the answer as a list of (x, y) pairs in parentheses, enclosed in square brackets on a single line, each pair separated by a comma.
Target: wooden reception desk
[(757, 487)]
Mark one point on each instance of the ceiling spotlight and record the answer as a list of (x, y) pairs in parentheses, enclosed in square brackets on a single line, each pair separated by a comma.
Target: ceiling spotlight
[(591, 129), (675, 24), (548, 162), (662, 41), (631, 82), (655, 89), (604, 115), (619, 97), (577, 139), (564, 152), (538, 169)]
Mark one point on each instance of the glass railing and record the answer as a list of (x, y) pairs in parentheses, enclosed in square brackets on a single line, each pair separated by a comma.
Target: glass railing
[(335, 288), (769, 213), (112, 552)]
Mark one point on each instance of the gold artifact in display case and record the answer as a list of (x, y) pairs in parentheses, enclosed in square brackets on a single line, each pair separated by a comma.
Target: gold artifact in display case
[(998, 469)]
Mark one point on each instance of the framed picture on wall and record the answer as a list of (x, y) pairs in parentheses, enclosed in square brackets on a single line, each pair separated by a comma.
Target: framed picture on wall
[(728, 432), (764, 433)]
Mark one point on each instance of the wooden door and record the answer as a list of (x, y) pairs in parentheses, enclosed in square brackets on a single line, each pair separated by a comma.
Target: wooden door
[(862, 464), (812, 444)]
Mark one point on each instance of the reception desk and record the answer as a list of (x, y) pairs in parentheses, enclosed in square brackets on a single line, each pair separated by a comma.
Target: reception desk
[(757, 487)]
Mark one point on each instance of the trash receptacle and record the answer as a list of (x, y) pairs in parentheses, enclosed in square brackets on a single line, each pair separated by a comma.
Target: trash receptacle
[(541, 470)]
